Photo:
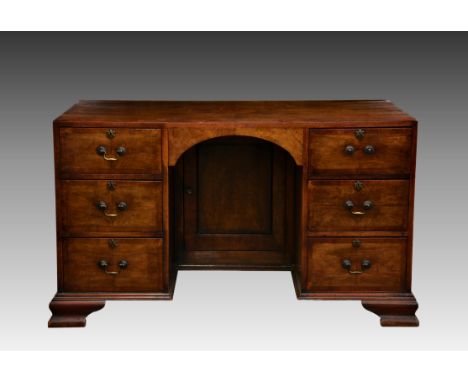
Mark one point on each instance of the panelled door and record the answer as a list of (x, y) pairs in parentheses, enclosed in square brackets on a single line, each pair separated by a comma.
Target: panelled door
[(237, 199)]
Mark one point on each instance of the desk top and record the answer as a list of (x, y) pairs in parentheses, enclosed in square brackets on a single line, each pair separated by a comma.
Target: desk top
[(292, 114)]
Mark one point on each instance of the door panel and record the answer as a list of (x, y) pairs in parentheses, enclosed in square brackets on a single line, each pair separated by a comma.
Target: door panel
[(234, 189), (234, 203)]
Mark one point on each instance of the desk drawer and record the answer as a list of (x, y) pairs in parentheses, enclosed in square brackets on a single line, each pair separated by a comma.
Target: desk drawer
[(95, 207), (113, 265), (97, 151), (348, 205), (362, 264), (384, 151)]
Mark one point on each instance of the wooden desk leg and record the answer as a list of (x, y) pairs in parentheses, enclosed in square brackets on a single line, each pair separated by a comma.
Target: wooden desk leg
[(395, 311), (68, 313)]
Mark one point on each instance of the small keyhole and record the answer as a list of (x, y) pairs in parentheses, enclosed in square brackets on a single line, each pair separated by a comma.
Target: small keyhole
[(356, 243), (111, 185), (189, 190), (358, 186)]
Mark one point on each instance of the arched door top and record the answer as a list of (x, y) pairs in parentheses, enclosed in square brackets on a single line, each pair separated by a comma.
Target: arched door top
[(183, 138)]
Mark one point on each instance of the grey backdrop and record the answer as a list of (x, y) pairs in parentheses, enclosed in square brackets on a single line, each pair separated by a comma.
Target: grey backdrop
[(42, 74)]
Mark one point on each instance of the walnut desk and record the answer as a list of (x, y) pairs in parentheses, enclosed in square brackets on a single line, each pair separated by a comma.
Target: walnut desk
[(322, 189)]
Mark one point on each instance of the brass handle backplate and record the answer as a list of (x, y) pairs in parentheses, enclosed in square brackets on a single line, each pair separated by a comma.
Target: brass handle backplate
[(367, 205), (103, 264), (347, 264), (102, 206), (102, 151), (350, 149)]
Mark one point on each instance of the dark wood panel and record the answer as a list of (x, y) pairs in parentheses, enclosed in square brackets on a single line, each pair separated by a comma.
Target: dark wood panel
[(325, 271), (82, 217), (79, 155), (235, 200), (331, 151), (327, 210), (144, 272), (234, 188)]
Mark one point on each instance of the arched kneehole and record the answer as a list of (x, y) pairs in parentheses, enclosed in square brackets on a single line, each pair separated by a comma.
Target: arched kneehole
[(235, 205)]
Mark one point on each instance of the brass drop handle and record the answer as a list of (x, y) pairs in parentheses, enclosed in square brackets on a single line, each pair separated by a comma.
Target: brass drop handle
[(102, 151), (350, 149), (347, 264), (367, 205), (102, 206), (103, 264)]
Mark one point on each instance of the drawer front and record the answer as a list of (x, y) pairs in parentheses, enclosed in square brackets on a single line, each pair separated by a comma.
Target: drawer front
[(383, 151), (112, 265), (110, 151), (362, 264), (111, 207), (349, 205)]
